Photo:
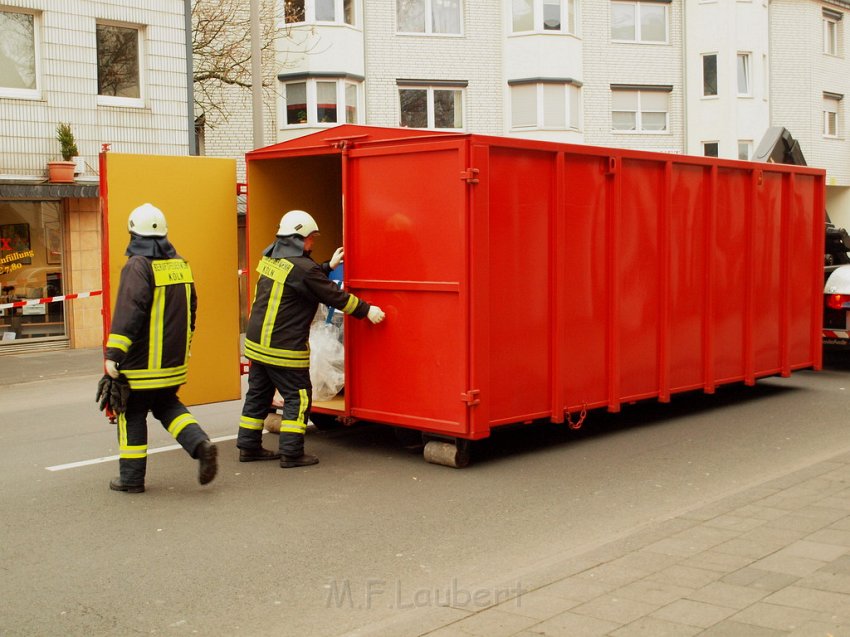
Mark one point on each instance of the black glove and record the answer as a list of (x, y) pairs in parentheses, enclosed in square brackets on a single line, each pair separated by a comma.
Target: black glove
[(118, 394), (113, 393), (104, 388)]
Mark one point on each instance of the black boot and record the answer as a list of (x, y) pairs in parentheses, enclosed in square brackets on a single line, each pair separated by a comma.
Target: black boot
[(207, 455), (304, 460), (252, 455), (116, 485)]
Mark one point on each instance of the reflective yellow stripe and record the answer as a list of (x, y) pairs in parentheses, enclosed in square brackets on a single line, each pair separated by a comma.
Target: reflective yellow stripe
[(276, 351), (118, 341), (159, 383), (276, 362), (246, 422), (292, 427), (179, 424), (124, 450), (351, 305), (275, 296), (122, 430), (155, 373), (156, 328), (189, 333), (303, 402)]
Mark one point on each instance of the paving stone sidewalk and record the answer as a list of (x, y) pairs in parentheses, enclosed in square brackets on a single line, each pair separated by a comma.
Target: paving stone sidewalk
[(770, 561)]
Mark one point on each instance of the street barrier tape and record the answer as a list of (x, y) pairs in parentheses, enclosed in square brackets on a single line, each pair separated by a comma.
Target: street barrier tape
[(51, 299)]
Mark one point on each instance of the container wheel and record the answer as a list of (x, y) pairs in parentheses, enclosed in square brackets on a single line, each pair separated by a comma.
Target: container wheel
[(324, 422), (453, 454)]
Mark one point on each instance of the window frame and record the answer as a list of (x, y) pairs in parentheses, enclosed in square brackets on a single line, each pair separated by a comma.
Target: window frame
[(832, 32), (568, 87), (836, 116), (311, 96), (429, 105), (27, 93), (429, 21), (339, 14), (568, 8), (638, 6), (746, 144), (639, 130), (747, 57), (703, 57), (129, 102), (706, 144)]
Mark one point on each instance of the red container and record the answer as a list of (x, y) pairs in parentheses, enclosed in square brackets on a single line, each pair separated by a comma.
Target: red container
[(526, 280)]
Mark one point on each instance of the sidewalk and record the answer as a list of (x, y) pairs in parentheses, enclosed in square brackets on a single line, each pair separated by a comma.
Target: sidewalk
[(768, 561)]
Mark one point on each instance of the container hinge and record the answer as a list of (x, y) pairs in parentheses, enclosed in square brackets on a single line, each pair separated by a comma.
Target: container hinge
[(470, 175), (471, 397)]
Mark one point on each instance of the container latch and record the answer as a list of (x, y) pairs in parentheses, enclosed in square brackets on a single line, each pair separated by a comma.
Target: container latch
[(470, 175), (471, 397)]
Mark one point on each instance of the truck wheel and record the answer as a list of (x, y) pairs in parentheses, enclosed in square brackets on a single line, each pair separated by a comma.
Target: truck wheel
[(449, 454), (324, 422)]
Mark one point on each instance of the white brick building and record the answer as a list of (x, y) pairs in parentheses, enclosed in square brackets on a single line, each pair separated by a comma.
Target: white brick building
[(116, 71), (683, 76)]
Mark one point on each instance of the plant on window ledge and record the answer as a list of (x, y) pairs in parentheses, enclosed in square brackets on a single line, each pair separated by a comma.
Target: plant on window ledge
[(63, 171)]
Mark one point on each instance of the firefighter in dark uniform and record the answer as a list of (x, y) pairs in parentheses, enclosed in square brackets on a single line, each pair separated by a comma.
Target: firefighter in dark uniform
[(148, 343), (289, 289)]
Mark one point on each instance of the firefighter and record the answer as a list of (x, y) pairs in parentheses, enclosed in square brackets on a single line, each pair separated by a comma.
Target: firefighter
[(289, 289), (148, 343)]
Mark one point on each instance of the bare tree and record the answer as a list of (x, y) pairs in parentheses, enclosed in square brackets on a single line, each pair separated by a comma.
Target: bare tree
[(221, 44)]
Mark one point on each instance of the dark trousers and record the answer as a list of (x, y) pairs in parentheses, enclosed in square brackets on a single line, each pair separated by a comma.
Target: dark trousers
[(297, 391), (133, 429)]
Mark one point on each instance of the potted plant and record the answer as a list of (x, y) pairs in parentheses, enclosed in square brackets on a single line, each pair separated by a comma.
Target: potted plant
[(63, 171)]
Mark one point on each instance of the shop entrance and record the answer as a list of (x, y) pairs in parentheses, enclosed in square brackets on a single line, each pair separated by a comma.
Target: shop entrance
[(31, 267)]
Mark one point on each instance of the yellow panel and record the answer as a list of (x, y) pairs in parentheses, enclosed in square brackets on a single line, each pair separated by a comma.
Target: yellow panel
[(198, 197)]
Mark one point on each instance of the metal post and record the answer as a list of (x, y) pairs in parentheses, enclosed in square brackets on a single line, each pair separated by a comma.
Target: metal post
[(190, 79), (256, 74)]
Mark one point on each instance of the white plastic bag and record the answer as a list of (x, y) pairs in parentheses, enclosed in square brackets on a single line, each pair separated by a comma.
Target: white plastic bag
[(327, 359)]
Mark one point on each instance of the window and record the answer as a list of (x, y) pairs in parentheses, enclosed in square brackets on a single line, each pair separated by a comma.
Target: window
[(832, 32), (321, 101), (551, 105), (639, 110), (431, 107), (544, 15), (340, 11), (119, 81), (744, 148), (831, 107), (639, 21), (711, 149), (709, 74), (18, 54), (744, 75), (428, 16)]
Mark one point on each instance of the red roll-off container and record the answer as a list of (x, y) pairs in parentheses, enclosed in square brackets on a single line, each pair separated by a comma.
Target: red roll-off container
[(529, 280)]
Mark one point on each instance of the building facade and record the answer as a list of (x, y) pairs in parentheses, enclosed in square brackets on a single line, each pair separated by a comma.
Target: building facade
[(116, 71), (703, 77)]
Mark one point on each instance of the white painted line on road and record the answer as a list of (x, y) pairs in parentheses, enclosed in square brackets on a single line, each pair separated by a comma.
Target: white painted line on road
[(85, 463)]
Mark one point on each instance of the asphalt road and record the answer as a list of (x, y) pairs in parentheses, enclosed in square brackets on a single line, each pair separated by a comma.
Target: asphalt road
[(373, 533)]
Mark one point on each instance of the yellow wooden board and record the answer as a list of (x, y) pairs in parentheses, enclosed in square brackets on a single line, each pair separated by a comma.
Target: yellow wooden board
[(198, 197)]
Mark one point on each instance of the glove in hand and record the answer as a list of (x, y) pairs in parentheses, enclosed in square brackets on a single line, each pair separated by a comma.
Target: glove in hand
[(337, 258), (112, 394), (376, 314), (104, 387), (111, 368)]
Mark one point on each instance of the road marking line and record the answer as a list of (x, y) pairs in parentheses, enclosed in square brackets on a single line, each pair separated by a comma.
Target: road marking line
[(85, 463)]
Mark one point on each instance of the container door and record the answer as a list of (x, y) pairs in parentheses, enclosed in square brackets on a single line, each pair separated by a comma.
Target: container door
[(405, 251), (198, 197)]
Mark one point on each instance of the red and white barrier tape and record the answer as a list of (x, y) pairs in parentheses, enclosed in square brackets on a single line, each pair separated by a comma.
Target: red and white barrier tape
[(51, 299)]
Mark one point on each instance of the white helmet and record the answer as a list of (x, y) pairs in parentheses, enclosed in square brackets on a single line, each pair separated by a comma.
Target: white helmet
[(297, 222), (147, 221)]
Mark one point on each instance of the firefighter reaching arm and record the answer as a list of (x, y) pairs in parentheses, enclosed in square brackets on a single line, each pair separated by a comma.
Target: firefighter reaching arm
[(290, 287)]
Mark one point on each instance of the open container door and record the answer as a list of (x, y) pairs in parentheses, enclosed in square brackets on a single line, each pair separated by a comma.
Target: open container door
[(198, 197), (406, 233)]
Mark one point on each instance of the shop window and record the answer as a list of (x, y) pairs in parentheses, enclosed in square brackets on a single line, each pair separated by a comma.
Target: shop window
[(30, 269)]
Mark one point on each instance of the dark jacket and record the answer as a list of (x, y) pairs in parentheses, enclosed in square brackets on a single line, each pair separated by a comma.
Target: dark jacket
[(153, 322), (286, 298)]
